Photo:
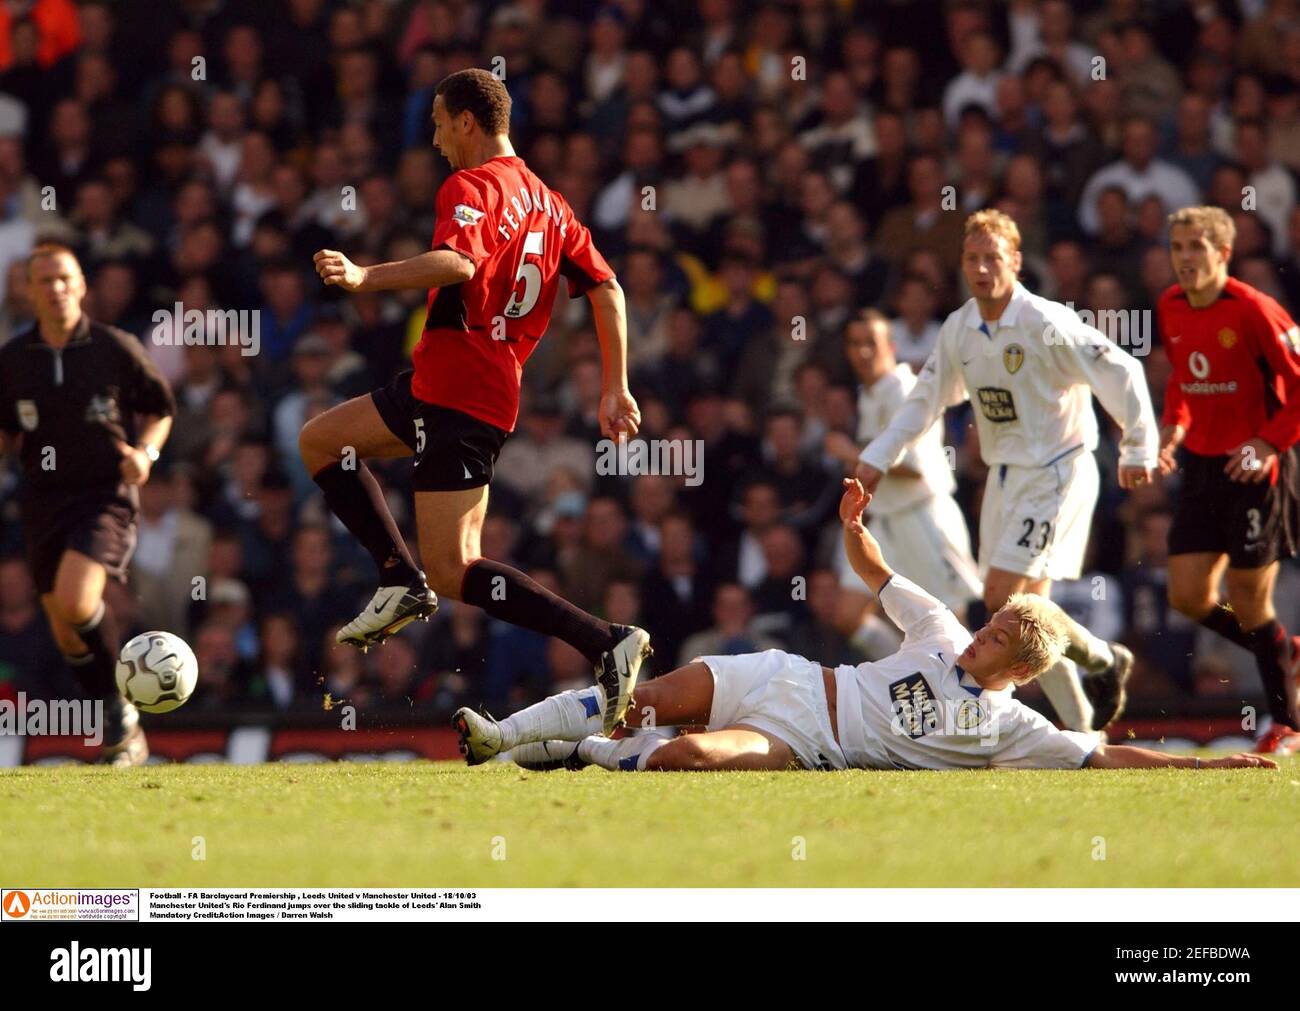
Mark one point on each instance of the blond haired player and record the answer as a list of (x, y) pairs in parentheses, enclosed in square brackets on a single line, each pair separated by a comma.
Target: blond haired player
[(943, 701), (1030, 367)]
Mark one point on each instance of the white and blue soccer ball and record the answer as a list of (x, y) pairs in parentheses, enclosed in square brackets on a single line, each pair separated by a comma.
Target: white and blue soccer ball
[(157, 671)]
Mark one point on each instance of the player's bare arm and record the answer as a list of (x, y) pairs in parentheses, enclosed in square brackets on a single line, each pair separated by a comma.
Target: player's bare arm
[(863, 549), (1171, 437), (1251, 462), (1124, 756), (619, 414), (438, 268), (845, 450)]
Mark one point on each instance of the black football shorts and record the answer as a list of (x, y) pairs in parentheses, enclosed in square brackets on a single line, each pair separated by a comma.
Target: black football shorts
[(1250, 523), (99, 526), (453, 451)]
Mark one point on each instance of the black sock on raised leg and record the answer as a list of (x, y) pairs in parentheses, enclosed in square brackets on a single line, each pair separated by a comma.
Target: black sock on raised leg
[(97, 672), (354, 496), (506, 593)]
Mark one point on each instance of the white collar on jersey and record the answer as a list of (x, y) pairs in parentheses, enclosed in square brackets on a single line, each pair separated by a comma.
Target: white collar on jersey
[(971, 311)]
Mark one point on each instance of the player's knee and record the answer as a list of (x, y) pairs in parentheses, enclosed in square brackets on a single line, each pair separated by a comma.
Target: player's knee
[(444, 575), (685, 754), (314, 442), (1193, 602)]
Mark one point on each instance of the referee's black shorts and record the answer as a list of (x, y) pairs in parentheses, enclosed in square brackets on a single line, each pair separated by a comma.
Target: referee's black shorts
[(100, 525), (1253, 524), (453, 450)]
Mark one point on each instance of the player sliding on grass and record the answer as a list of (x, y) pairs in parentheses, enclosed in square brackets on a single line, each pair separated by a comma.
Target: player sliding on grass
[(1232, 404), (943, 701), (1030, 367), (501, 243)]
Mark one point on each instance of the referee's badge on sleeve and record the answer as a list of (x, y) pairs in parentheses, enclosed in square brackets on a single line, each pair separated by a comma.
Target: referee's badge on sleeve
[(27, 416)]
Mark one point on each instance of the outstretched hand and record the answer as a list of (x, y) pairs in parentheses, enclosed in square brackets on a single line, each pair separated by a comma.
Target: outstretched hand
[(854, 500)]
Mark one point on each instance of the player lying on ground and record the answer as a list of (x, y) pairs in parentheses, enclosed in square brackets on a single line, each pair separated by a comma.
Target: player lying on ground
[(1030, 368), (502, 243), (943, 701)]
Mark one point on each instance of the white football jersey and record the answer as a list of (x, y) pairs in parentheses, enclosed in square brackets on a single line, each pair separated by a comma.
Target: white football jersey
[(877, 406), (917, 709), (1030, 376)]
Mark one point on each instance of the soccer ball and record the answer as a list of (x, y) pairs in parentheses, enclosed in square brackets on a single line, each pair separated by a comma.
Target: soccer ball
[(157, 671)]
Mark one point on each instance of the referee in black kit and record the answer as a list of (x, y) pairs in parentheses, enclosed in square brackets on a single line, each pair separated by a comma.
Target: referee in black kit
[(88, 412)]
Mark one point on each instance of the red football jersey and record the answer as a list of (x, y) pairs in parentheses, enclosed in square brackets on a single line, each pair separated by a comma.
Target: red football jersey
[(522, 237), (1235, 369)]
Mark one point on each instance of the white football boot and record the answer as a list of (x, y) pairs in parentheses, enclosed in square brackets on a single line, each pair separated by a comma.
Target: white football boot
[(617, 671), (391, 609), (480, 737)]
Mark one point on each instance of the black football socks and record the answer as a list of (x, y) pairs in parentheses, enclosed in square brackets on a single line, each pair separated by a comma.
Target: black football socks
[(508, 594), (1272, 648), (1223, 619), (97, 669), (354, 496)]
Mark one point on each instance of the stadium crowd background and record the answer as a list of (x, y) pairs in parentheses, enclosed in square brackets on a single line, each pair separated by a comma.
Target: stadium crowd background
[(797, 155)]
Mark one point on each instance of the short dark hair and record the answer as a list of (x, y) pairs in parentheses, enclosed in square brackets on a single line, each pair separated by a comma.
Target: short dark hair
[(479, 92), (49, 247)]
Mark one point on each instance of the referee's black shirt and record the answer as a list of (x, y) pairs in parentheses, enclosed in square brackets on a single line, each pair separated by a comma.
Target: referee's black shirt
[(78, 400)]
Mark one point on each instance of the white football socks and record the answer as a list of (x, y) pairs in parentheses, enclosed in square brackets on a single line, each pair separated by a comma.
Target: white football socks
[(1061, 686), (628, 755), (569, 716), (1094, 655)]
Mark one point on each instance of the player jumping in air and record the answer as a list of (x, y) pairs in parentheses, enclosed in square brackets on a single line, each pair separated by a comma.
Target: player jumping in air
[(89, 412), (1233, 406), (502, 242), (943, 701), (1030, 366)]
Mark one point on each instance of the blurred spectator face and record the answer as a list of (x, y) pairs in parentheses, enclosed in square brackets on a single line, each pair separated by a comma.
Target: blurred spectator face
[(582, 154), (869, 350), (652, 498), (310, 368), (641, 74), (975, 151), (17, 591), (622, 603), (924, 181), (816, 195), (782, 435), (94, 205), (839, 409), (641, 152), (1067, 263), (194, 203), (811, 381), (1024, 180), (791, 300), (761, 506), (280, 641), (1157, 274), (1252, 146), (823, 593), (643, 275), (1251, 239), (214, 648), (16, 296), (844, 227), (737, 276), (606, 525), (225, 558), (69, 125), (729, 80), (831, 290), (311, 550), (783, 553), (915, 301), (1106, 295), (268, 106), (1112, 211), (356, 79), (1151, 218), (243, 52), (980, 53), (283, 290), (113, 291), (732, 609), (1139, 143), (1226, 187), (257, 158), (1060, 106), (395, 667), (677, 540), (249, 464), (791, 167), (226, 115), (95, 78), (227, 413), (839, 100), (291, 188), (1193, 119), (176, 110), (683, 70)]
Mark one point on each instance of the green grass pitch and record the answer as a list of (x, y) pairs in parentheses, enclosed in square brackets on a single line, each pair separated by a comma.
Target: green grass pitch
[(440, 824)]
